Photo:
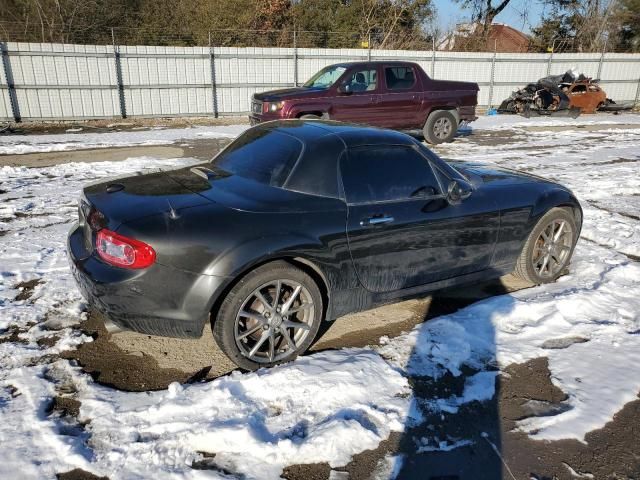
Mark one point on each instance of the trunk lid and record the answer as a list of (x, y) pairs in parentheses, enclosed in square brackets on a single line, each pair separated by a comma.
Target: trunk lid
[(131, 197)]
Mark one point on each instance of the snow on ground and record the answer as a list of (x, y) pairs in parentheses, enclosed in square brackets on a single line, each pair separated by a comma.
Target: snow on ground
[(600, 166), (501, 122), (326, 406), (20, 144)]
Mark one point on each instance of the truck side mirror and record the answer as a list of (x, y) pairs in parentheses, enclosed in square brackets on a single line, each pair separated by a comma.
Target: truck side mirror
[(345, 88)]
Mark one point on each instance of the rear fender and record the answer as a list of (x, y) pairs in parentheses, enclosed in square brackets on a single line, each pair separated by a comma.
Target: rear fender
[(449, 108), (240, 260)]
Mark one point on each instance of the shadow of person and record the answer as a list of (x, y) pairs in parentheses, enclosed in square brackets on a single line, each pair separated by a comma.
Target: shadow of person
[(453, 372)]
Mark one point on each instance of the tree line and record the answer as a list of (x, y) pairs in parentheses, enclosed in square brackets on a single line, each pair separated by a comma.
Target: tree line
[(566, 25)]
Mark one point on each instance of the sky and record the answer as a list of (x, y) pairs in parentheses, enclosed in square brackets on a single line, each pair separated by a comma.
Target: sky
[(451, 12)]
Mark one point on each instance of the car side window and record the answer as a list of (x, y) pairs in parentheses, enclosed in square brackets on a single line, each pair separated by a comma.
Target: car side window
[(362, 80), (387, 173), (399, 78)]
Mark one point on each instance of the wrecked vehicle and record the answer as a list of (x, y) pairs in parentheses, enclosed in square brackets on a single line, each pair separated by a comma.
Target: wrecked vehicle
[(560, 95), (548, 96), (586, 95)]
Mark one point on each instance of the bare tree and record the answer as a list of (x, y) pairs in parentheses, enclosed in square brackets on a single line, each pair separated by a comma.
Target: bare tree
[(484, 11)]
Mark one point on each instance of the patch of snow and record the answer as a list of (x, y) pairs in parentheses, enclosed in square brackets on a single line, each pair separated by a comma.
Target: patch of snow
[(388, 468), (21, 144), (321, 408), (435, 444), (506, 121)]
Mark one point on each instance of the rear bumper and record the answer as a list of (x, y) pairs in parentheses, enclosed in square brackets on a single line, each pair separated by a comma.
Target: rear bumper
[(467, 113), (159, 300)]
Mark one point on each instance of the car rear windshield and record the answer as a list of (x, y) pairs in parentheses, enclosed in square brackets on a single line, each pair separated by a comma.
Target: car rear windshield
[(266, 156)]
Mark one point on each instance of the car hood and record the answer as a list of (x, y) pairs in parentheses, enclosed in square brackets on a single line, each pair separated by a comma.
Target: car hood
[(493, 174), (287, 93)]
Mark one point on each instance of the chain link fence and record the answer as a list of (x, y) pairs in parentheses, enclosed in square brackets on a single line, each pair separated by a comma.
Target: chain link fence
[(136, 72)]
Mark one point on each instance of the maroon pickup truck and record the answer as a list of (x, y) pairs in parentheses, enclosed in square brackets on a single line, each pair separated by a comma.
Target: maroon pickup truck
[(392, 94)]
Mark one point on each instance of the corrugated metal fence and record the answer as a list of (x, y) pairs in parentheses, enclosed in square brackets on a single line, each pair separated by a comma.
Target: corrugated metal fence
[(63, 82)]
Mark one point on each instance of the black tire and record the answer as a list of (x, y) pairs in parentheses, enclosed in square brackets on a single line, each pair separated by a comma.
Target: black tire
[(441, 126), (230, 324), (309, 116), (531, 258)]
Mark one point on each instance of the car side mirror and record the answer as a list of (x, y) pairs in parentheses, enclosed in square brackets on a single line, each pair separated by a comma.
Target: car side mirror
[(345, 89), (458, 191)]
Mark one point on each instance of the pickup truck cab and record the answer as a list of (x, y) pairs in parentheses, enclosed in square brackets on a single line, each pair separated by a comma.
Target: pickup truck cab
[(398, 95)]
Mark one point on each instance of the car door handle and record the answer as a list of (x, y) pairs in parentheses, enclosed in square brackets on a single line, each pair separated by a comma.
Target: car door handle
[(376, 220)]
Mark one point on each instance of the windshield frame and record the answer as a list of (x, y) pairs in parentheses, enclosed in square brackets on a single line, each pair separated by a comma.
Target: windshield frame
[(310, 83)]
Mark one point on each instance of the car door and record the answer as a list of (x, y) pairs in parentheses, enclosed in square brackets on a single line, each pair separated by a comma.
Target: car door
[(402, 232), (399, 104), (355, 94)]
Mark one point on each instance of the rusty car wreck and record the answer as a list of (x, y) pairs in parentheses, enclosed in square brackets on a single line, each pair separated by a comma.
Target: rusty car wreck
[(560, 95)]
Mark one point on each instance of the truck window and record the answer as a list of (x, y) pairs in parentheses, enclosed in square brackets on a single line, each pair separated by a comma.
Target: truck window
[(362, 80), (399, 78)]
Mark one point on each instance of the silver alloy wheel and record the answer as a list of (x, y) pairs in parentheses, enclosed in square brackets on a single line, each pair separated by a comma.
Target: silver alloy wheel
[(552, 248), (442, 127), (273, 321)]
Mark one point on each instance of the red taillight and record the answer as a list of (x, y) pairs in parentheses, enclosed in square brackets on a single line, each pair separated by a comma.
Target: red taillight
[(122, 251)]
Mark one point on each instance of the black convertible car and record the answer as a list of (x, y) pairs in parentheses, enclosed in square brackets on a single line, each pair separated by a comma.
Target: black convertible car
[(299, 221)]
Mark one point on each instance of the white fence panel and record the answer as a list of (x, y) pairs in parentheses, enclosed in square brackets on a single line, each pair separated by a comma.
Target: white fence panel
[(166, 81), (313, 59), (586, 63), (56, 81)]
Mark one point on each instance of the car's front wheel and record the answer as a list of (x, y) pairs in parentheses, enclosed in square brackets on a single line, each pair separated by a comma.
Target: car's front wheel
[(270, 316), (549, 247)]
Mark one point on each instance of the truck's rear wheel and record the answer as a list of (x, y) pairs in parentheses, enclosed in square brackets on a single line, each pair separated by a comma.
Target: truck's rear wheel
[(441, 127)]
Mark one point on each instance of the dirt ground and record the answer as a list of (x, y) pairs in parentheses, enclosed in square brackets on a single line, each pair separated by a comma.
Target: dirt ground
[(136, 362)]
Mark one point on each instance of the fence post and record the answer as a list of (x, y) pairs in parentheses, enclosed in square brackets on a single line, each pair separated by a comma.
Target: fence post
[(553, 48), (369, 46), (635, 102), (116, 56), (493, 69), (8, 74), (433, 57), (604, 49), (214, 87), (295, 58)]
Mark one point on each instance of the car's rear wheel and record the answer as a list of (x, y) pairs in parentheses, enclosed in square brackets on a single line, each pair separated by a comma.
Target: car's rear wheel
[(441, 126), (270, 316), (549, 247)]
